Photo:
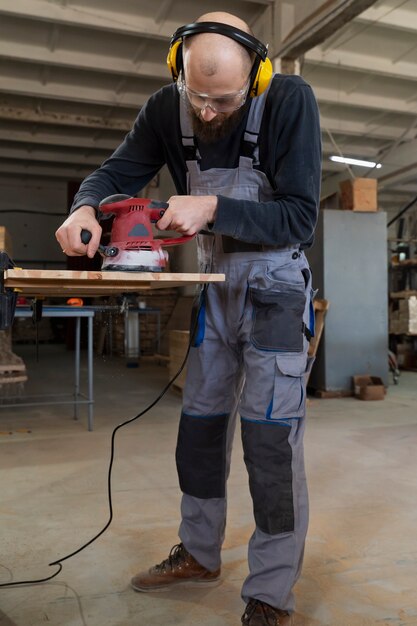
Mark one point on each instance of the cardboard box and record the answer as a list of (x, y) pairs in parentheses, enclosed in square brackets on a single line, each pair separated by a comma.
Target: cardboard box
[(359, 194), (368, 388), (5, 241), (404, 319)]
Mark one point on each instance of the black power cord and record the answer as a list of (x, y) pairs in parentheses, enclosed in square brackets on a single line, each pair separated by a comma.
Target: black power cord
[(58, 562)]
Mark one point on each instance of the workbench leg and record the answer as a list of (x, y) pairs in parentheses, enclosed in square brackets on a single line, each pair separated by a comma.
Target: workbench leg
[(90, 373), (77, 365)]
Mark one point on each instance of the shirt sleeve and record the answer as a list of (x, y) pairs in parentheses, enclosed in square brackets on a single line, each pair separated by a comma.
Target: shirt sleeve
[(293, 164)]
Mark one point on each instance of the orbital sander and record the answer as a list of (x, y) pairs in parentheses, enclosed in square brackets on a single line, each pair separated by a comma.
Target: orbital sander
[(132, 246)]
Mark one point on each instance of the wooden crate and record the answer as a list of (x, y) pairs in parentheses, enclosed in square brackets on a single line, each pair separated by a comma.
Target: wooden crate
[(359, 194)]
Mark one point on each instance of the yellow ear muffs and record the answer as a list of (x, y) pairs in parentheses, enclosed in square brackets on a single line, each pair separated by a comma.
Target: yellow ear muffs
[(173, 61), (261, 70), (262, 78)]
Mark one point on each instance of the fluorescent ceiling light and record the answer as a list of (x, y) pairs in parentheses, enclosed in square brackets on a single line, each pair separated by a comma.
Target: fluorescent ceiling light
[(350, 161)]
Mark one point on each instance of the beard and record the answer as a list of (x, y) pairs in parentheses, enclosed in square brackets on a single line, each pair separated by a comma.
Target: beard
[(218, 128)]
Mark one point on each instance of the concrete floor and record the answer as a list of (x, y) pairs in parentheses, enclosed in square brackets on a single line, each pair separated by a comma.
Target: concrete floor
[(361, 555)]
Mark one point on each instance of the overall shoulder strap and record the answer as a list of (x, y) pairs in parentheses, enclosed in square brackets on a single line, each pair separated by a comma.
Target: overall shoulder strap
[(250, 142), (190, 148)]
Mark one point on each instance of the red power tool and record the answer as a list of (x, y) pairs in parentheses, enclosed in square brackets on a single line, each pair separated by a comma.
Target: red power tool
[(132, 246)]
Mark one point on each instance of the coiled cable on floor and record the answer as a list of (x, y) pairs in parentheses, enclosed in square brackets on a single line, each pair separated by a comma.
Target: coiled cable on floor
[(59, 562)]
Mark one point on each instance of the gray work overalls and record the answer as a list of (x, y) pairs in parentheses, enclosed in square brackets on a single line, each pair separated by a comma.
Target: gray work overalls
[(254, 324)]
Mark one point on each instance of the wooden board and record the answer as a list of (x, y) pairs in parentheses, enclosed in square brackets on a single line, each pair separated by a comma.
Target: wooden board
[(320, 309), (67, 283)]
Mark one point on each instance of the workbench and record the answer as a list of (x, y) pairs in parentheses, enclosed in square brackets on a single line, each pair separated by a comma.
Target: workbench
[(77, 397), (68, 283)]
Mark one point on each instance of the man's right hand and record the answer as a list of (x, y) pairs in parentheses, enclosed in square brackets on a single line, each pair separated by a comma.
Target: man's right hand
[(69, 233)]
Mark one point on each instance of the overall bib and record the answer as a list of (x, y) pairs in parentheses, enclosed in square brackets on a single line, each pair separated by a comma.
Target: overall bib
[(252, 328)]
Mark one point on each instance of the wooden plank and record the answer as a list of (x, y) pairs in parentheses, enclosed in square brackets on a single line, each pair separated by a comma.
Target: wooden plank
[(398, 295), (320, 310), (13, 367), (8, 380), (70, 282)]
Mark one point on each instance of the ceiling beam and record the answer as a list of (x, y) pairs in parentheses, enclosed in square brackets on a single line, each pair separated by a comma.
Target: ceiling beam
[(114, 21), (87, 94), (51, 157), (319, 25), (19, 114), (383, 15), (40, 137), (357, 61), (364, 100), (44, 170), (86, 61), (410, 188), (343, 126), (359, 151)]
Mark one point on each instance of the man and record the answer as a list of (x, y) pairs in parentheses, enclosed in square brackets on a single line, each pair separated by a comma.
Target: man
[(243, 148)]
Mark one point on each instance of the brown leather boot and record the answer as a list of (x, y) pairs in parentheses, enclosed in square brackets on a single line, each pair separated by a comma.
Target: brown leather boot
[(180, 568), (259, 613)]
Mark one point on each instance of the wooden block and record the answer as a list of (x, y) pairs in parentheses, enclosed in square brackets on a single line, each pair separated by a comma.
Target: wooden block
[(359, 194), (5, 241)]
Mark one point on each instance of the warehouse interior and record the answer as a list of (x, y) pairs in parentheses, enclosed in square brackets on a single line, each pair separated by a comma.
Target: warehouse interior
[(76, 363)]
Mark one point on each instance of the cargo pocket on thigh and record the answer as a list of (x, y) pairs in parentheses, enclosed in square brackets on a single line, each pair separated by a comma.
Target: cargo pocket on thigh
[(278, 318), (289, 386)]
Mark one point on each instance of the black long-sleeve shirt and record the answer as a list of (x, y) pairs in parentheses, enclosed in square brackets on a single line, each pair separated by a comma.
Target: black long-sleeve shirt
[(289, 154)]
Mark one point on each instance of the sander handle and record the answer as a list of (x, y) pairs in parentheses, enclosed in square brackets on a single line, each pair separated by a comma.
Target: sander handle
[(103, 250), (86, 236)]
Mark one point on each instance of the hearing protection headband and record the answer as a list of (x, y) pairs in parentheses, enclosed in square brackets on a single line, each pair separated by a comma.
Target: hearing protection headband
[(262, 68), (222, 29)]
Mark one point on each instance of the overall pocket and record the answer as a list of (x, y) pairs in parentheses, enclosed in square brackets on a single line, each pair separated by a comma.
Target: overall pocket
[(289, 386), (277, 322)]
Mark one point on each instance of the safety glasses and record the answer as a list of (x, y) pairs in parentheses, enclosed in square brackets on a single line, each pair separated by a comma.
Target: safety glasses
[(219, 104)]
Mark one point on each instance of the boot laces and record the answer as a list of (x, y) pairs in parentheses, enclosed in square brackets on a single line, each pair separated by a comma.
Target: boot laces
[(176, 557), (269, 614)]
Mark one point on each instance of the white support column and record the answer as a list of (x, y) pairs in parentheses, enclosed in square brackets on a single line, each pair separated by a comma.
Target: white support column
[(287, 66)]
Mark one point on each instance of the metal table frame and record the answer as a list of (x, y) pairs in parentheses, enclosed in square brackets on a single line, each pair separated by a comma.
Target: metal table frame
[(77, 397), (132, 329)]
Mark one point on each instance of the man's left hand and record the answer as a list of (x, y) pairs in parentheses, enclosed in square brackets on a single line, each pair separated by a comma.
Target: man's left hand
[(188, 214)]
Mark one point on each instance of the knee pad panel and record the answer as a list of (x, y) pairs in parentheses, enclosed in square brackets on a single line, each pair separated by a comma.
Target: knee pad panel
[(201, 455), (268, 459)]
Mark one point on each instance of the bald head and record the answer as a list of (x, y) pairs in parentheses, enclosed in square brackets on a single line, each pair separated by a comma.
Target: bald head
[(209, 54), (225, 18)]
